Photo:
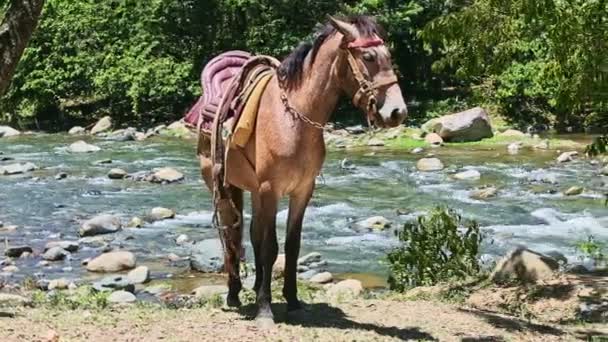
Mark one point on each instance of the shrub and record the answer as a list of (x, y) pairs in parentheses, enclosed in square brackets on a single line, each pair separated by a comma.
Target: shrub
[(434, 249), (592, 249)]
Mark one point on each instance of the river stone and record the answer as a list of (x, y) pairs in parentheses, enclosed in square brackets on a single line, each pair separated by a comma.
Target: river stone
[(375, 142), (159, 214), (306, 275), (140, 275), (18, 168), (346, 289), (574, 191), (182, 239), (374, 223), (429, 164), (207, 256), (318, 264), (121, 297), (112, 262), (113, 283), (524, 265), (485, 193), (208, 291), (76, 130), (309, 258), (135, 222), (166, 175), (6, 131), (604, 171), (278, 268), (139, 136), (12, 300), (567, 156), (471, 125), (543, 145), (102, 224), (117, 174), (512, 133), (417, 150), (17, 251), (55, 254), (321, 278), (10, 269), (58, 284), (358, 129), (70, 246), (122, 135), (82, 147), (102, 125), (434, 139), (468, 175), (514, 148)]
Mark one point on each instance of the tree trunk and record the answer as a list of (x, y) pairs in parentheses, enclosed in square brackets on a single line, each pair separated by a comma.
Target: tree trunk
[(16, 30)]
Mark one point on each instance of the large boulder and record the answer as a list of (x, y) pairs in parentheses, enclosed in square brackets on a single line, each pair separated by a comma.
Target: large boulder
[(471, 125), (112, 262), (207, 256), (6, 131), (159, 214), (18, 168), (82, 147), (524, 265), (102, 224), (102, 125)]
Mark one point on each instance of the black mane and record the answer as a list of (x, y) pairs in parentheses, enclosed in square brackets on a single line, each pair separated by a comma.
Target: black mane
[(290, 71)]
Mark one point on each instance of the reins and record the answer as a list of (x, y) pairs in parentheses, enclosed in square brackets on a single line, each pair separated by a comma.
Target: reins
[(367, 90)]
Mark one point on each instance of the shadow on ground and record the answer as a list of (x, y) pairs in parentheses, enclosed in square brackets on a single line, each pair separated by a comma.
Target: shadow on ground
[(322, 315), (513, 324)]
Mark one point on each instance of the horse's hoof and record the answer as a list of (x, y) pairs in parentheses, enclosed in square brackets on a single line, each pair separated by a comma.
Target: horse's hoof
[(265, 323), (233, 302)]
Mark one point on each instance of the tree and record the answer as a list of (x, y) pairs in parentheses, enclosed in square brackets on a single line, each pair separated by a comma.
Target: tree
[(16, 30)]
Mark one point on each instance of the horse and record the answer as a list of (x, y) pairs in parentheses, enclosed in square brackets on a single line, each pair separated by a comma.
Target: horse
[(286, 150)]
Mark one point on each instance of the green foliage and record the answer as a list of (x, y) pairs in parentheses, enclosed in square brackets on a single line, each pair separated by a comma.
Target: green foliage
[(594, 250), (597, 147), (434, 248), (83, 298)]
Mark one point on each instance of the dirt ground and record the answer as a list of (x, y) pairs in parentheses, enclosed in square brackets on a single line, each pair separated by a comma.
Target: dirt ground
[(360, 320)]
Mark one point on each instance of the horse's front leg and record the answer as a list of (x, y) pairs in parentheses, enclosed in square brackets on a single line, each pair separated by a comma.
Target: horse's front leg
[(265, 232), (297, 206)]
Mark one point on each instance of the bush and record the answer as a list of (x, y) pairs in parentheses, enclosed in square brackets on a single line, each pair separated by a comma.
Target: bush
[(592, 249), (434, 249)]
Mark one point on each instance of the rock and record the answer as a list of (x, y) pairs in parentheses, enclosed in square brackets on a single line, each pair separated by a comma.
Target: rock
[(6, 131), (121, 297), (17, 251), (82, 147), (306, 275), (174, 257), (182, 239), (18, 168), (140, 275), (513, 148), (578, 269), (135, 222), (76, 130), (567, 156), (467, 175), (358, 129), (309, 258), (279, 266), (574, 191), (61, 175), (429, 164), (374, 223), (375, 142), (55, 254), (346, 164), (417, 150), (208, 291), (10, 269), (112, 262), (207, 256), (471, 125), (123, 135), (117, 174), (102, 224), (345, 289), (318, 264), (12, 300), (524, 265), (604, 171), (102, 161), (139, 136), (434, 139), (102, 125), (543, 145), (59, 284), (512, 133), (166, 175), (485, 193), (114, 283), (159, 214), (321, 278)]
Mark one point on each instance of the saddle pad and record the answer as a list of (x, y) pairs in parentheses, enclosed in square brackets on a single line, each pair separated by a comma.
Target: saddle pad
[(246, 122)]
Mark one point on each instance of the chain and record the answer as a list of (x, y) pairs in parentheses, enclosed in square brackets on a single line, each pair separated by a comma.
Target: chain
[(297, 114)]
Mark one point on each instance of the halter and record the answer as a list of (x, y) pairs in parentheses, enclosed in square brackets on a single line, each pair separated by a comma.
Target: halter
[(365, 96)]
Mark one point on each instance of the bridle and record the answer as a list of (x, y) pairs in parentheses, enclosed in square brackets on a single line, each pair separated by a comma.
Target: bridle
[(365, 96)]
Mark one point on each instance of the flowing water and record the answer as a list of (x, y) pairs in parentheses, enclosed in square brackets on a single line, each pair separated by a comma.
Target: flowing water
[(382, 183)]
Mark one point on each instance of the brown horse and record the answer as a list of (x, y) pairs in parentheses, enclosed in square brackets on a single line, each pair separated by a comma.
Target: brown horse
[(286, 151)]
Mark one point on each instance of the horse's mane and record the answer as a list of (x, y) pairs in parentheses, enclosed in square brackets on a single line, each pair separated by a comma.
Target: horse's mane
[(290, 71)]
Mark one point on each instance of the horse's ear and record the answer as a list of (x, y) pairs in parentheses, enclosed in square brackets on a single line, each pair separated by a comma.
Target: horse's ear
[(349, 31)]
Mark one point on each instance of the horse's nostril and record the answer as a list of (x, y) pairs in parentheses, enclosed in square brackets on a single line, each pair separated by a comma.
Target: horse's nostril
[(397, 114)]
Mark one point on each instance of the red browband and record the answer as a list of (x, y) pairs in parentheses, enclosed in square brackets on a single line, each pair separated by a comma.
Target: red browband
[(365, 43)]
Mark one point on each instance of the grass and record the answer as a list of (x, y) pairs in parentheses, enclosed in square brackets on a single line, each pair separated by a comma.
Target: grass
[(498, 140)]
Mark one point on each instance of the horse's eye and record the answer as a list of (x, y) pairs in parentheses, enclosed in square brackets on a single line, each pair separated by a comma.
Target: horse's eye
[(369, 57)]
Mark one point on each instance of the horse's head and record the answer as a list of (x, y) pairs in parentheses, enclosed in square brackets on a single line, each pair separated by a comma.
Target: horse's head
[(367, 72)]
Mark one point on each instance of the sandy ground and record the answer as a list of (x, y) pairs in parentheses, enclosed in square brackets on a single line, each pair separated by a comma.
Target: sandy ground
[(361, 320)]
